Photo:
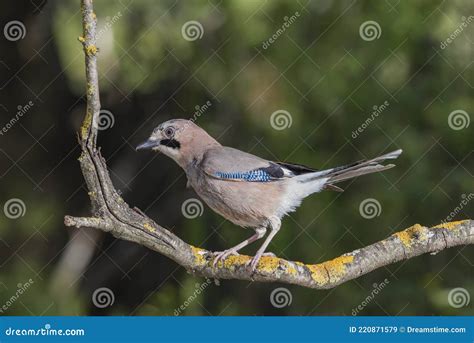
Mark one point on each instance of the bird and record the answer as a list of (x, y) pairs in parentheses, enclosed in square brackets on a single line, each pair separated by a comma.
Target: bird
[(249, 191)]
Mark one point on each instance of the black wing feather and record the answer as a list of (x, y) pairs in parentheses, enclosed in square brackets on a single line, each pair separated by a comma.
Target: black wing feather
[(297, 169), (274, 170)]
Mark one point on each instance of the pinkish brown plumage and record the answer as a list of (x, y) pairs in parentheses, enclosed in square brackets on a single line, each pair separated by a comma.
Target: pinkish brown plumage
[(245, 189)]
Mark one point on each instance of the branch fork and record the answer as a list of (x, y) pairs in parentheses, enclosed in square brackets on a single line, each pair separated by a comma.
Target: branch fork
[(112, 214)]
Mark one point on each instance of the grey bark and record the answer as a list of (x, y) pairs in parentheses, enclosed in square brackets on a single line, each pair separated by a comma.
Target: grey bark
[(112, 214)]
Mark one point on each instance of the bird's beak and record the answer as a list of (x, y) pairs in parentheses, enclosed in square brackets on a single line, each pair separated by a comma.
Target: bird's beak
[(149, 144)]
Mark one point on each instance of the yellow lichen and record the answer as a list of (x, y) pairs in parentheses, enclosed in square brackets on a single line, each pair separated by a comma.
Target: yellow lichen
[(148, 227), (268, 264), (449, 225), (404, 237), (234, 260), (90, 89), (81, 39), (290, 269), (199, 255), (407, 236), (91, 49), (332, 270), (318, 274), (86, 126)]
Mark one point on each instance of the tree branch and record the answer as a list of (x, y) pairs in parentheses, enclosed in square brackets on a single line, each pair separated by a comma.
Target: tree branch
[(112, 214)]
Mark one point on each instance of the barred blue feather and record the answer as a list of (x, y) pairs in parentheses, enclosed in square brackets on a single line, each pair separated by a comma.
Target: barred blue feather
[(256, 175)]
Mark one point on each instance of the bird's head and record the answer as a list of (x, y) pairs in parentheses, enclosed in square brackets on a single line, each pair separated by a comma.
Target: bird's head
[(180, 139)]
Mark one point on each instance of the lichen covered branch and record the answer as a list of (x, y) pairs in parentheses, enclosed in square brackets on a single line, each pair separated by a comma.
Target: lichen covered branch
[(403, 245), (111, 214)]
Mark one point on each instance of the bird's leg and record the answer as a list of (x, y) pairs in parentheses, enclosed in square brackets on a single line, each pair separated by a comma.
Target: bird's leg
[(222, 255), (275, 225)]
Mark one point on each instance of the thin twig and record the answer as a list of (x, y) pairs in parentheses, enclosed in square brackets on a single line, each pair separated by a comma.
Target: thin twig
[(112, 214)]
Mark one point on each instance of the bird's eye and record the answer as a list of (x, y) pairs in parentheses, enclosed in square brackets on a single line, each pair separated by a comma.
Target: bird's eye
[(169, 132)]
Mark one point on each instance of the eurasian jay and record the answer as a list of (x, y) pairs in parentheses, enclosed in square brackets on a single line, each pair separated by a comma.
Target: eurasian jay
[(247, 190)]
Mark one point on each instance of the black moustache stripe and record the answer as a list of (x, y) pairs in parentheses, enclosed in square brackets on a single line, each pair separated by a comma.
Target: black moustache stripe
[(171, 143)]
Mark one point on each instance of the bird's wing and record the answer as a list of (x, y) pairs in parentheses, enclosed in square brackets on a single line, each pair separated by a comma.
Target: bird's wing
[(234, 165)]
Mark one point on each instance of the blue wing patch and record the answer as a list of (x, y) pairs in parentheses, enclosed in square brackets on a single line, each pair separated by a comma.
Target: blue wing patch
[(257, 175)]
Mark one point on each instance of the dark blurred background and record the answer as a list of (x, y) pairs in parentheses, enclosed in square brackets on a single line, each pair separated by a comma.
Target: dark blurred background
[(344, 80)]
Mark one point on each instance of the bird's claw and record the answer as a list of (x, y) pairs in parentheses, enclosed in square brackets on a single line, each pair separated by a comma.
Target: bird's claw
[(222, 255), (253, 263)]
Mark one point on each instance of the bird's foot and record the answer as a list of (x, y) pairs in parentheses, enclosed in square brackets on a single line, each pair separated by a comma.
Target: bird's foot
[(222, 255), (254, 261)]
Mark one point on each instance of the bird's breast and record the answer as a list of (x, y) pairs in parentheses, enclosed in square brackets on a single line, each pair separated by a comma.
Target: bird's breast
[(247, 204)]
